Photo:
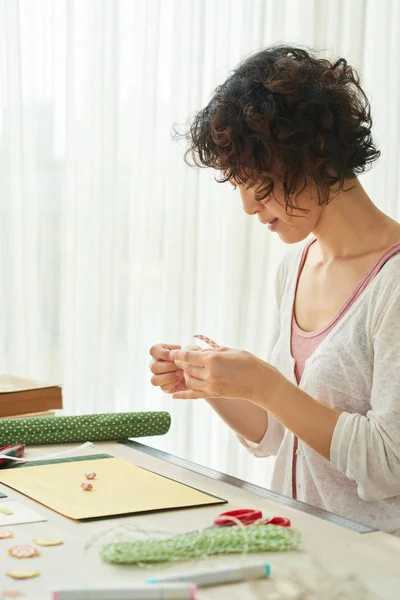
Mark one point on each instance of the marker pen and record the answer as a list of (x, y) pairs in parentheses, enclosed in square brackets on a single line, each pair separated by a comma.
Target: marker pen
[(168, 591), (218, 576)]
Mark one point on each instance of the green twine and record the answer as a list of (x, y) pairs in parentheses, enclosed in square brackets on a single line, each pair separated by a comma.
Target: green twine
[(213, 541)]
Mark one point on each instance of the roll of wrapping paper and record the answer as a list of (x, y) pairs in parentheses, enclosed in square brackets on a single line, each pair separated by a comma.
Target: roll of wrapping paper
[(82, 428)]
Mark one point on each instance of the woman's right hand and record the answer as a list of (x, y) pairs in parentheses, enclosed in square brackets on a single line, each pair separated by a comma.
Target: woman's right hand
[(166, 374)]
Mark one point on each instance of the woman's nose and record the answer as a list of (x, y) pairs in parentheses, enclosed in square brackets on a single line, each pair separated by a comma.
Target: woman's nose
[(250, 206)]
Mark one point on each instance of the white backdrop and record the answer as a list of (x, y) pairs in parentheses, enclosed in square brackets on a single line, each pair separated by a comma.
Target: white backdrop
[(108, 242)]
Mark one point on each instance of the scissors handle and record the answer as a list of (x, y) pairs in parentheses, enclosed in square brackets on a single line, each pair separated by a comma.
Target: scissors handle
[(246, 516)]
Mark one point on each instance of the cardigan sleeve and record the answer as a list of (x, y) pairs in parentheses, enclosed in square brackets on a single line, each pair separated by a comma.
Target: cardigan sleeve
[(270, 443), (366, 448)]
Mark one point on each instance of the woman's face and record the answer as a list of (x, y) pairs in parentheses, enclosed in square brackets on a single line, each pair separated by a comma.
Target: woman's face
[(291, 228)]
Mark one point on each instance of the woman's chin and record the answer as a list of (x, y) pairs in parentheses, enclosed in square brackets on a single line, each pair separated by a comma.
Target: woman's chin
[(293, 236)]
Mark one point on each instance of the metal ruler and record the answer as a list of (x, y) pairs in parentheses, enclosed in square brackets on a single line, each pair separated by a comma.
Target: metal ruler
[(57, 461), (252, 488)]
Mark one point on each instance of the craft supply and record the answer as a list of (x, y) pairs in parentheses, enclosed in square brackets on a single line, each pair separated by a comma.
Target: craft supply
[(247, 516), (171, 591), (48, 542), (20, 514), (75, 429), (218, 575), (207, 542), (16, 450), (207, 340), (86, 486), (90, 475), (59, 461), (23, 551), (11, 594), (23, 573), (122, 489), (5, 535), (48, 456), (6, 511)]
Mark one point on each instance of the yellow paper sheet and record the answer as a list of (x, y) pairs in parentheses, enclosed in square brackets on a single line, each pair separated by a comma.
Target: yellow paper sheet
[(119, 488)]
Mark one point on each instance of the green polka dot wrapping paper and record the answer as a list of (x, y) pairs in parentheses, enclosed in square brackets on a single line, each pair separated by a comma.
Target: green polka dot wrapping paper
[(82, 428)]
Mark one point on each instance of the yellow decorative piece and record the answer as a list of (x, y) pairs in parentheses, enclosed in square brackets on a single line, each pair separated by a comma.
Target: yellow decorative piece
[(48, 542), (6, 511), (25, 551), (5, 535), (23, 573)]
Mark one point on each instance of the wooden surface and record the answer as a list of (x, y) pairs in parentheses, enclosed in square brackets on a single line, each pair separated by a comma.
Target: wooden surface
[(327, 550)]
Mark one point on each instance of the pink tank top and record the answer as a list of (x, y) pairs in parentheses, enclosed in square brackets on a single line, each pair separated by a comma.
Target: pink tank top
[(304, 343)]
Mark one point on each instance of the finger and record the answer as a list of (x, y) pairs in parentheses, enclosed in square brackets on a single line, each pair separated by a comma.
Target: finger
[(170, 388), (188, 395), (198, 372), (167, 378), (196, 384), (193, 357), (162, 366), (162, 351)]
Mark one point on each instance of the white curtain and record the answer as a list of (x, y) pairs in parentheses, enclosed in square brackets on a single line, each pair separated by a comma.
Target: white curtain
[(108, 242)]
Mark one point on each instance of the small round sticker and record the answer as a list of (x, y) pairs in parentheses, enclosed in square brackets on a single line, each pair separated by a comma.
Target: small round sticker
[(48, 542), (23, 573), (5, 535), (25, 551)]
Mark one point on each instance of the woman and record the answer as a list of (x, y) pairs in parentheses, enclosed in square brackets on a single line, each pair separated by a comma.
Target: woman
[(291, 132)]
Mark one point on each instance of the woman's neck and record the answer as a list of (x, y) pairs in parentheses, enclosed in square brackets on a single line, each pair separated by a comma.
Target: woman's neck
[(351, 225)]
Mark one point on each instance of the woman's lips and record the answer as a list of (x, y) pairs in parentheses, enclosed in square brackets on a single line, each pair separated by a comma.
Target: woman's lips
[(272, 225)]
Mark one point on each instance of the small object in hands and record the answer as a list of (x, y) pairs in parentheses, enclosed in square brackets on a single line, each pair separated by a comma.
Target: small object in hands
[(24, 551), (90, 474), (23, 573), (6, 511), (5, 535), (86, 486), (207, 340), (48, 542)]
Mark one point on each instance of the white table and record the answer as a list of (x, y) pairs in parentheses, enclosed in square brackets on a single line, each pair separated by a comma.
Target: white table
[(373, 557)]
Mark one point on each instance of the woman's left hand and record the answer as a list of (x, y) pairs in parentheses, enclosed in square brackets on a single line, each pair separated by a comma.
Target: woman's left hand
[(225, 373)]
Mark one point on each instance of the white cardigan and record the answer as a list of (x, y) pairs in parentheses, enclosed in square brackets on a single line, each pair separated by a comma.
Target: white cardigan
[(356, 369)]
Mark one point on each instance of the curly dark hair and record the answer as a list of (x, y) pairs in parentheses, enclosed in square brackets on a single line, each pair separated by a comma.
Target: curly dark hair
[(286, 113)]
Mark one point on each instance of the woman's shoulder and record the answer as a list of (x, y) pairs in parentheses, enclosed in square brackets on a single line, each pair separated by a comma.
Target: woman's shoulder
[(388, 277), (383, 299)]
